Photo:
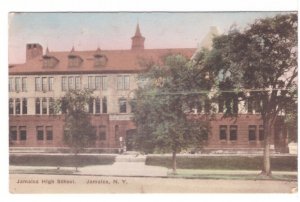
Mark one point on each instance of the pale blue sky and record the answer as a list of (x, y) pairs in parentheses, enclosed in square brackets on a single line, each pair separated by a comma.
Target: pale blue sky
[(86, 31)]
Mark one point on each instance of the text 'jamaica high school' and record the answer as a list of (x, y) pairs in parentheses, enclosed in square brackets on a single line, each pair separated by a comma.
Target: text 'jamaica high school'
[(112, 74)]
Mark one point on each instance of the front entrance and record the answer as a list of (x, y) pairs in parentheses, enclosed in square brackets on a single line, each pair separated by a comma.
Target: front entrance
[(130, 139)]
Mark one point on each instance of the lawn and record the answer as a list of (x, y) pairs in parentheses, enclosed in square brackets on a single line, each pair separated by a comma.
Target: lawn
[(230, 175)]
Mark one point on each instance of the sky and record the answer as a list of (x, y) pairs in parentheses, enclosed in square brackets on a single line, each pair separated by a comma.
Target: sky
[(87, 31)]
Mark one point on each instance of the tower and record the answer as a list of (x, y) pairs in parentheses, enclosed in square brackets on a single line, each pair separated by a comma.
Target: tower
[(137, 40)]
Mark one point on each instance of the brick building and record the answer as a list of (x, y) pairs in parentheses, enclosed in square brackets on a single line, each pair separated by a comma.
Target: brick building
[(47, 75)]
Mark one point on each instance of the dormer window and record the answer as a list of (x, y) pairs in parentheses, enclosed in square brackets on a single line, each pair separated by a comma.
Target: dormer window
[(74, 61), (100, 60), (49, 61)]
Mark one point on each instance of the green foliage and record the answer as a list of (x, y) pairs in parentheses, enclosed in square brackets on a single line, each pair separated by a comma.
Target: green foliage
[(263, 56), (262, 61), (163, 106), (280, 163), (61, 160), (78, 131)]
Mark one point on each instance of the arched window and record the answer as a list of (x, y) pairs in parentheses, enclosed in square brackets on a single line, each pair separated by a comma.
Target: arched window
[(123, 105), (51, 106), (91, 106), (98, 103), (104, 105), (24, 106), (44, 106), (18, 106), (11, 106), (37, 106)]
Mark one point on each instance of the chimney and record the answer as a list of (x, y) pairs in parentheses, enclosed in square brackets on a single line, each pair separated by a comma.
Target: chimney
[(33, 50)]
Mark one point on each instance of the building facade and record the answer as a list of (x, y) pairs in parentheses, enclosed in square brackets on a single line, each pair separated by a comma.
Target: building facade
[(112, 74)]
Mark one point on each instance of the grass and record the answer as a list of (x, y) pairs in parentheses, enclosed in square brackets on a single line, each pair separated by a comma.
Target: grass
[(44, 171), (230, 175)]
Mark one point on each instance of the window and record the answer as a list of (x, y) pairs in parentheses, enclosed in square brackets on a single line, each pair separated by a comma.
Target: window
[(91, 82), (98, 105), (74, 61), (235, 105), (71, 83), (207, 106), (64, 105), (44, 106), (123, 82), (221, 105), (51, 106), (233, 133), (38, 84), (77, 82), (122, 105), (91, 106), (261, 133), (24, 106), (254, 106), (102, 132), (47, 62), (104, 105), (44, 84), (228, 104), (50, 83), (100, 60), (24, 85), (37, 106), (126, 82), (49, 133), (250, 106), (104, 83), (64, 83), (120, 84), (98, 82), (18, 106), (40, 133), (13, 133), (223, 132), (23, 133), (258, 106), (252, 133), (18, 84), (11, 85), (133, 105), (11, 106), (97, 61)]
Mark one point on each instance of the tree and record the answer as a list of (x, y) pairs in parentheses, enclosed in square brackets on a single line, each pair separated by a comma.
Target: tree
[(78, 131), (259, 65), (163, 105)]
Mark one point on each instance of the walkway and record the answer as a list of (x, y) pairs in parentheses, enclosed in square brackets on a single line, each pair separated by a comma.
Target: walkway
[(125, 165)]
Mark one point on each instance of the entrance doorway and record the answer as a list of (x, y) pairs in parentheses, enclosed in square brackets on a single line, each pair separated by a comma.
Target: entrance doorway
[(130, 139)]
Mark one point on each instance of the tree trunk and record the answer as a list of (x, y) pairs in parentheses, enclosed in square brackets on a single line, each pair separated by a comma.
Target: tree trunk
[(266, 170), (174, 162)]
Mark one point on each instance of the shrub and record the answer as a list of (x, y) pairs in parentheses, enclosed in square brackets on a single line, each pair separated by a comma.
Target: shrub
[(60, 160), (278, 163)]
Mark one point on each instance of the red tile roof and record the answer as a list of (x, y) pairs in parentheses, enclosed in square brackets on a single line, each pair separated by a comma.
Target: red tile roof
[(118, 61)]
